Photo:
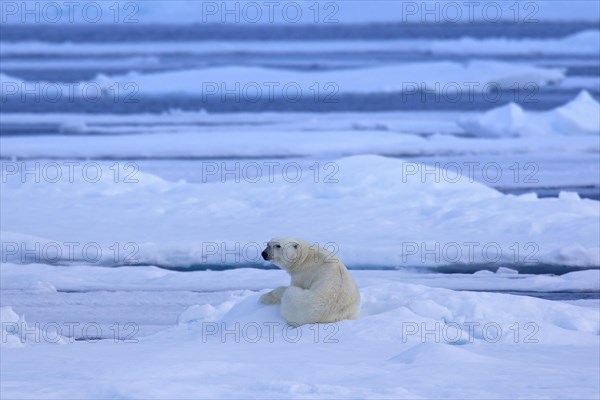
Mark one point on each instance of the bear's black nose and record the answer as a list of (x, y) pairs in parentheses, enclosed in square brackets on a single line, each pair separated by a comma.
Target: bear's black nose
[(264, 254)]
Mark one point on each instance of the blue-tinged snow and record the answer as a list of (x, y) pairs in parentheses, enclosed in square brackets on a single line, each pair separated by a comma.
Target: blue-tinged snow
[(229, 345), (468, 291), (407, 217), (572, 127), (269, 83), (580, 116)]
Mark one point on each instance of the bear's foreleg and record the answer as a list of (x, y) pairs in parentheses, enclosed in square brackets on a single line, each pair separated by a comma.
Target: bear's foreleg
[(274, 296)]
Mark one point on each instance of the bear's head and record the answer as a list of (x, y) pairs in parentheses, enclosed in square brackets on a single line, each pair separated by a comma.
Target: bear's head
[(283, 252)]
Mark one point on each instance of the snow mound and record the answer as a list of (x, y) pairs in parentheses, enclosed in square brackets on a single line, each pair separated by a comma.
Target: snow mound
[(17, 333), (507, 271), (10, 85), (11, 328), (581, 116), (157, 222), (505, 121), (405, 330), (203, 312), (401, 312), (433, 353)]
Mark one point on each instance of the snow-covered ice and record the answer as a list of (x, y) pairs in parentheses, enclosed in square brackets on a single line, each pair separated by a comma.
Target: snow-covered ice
[(440, 216), (582, 43), (412, 340), (130, 259), (190, 141), (187, 134), (271, 83)]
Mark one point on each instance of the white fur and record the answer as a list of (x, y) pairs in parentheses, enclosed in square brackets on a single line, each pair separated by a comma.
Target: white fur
[(322, 289)]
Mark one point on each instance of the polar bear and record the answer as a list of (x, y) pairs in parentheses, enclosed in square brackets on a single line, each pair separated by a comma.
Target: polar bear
[(322, 289)]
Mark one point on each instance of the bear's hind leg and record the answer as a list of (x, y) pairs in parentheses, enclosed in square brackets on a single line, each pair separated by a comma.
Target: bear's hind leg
[(298, 306)]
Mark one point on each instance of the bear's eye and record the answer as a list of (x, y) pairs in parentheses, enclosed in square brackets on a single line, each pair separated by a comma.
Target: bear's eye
[(277, 246)]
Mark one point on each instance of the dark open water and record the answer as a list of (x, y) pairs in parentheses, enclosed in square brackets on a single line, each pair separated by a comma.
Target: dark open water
[(546, 98)]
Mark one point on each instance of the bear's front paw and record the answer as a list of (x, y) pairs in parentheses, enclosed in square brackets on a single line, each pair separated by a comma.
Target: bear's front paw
[(266, 298), (274, 296)]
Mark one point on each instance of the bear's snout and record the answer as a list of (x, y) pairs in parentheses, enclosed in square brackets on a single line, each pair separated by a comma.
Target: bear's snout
[(265, 255)]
